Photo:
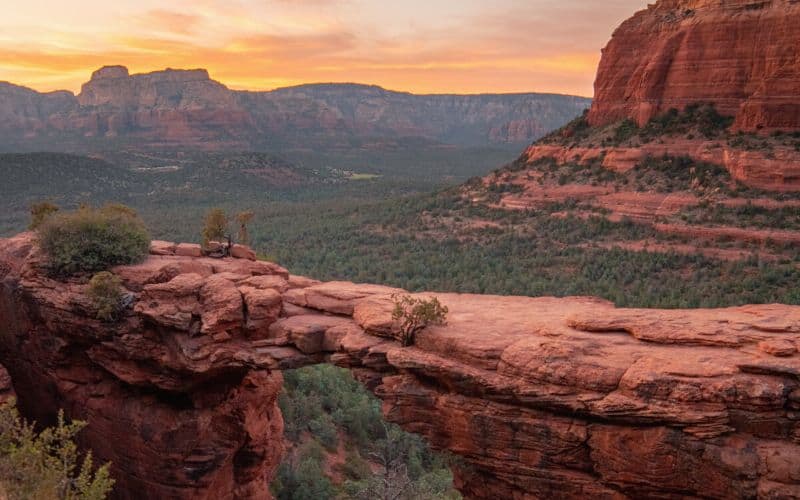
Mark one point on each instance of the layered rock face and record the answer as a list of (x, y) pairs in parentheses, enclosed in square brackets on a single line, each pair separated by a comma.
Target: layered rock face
[(186, 108), (171, 106), (741, 55), (777, 169), (564, 398), (177, 418)]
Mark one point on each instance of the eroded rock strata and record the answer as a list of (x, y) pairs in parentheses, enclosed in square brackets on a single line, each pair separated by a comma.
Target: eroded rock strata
[(563, 398), (775, 169), (741, 55)]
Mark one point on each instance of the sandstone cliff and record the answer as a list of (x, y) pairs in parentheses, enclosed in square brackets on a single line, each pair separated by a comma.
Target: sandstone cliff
[(741, 55), (562, 398), (186, 108)]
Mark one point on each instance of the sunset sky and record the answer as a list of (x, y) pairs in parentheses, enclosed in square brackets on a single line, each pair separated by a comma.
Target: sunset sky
[(422, 46)]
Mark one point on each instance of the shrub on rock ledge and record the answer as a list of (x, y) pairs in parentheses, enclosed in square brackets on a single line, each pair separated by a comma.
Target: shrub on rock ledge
[(105, 291), (415, 314), (215, 226), (40, 212), (90, 240)]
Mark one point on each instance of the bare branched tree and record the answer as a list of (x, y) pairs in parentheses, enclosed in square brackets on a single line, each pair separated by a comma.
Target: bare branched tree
[(392, 481), (243, 219)]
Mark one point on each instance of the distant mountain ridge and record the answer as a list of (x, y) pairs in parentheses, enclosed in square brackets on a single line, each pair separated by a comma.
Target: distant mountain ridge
[(186, 108)]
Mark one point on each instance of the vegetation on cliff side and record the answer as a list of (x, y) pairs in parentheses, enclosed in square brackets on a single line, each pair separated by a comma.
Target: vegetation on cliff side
[(46, 464), (105, 292), (343, 449), (699, 121)]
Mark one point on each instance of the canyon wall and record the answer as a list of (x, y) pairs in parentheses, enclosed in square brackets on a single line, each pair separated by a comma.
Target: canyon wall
[(186, 108), (561, 398), (742, 55)]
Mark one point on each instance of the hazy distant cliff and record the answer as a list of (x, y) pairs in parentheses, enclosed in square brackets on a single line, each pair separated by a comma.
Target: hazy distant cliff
[(187, 108)]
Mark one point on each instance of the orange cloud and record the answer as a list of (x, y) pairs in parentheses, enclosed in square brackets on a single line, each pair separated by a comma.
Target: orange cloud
[(249, 44), (167, 21)]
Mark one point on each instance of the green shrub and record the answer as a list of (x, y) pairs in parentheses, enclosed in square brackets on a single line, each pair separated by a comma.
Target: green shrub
[(415, 315), (45, 464), (324, 430), (40, 212), (575, 130), (624, 131), (701, 117), (215, 226), (301, 477), (91, 240), (105, 291)]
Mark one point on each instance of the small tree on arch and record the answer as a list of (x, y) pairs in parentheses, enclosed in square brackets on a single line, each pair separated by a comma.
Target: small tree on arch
[(243, 219), (215, 227), (415, 314)]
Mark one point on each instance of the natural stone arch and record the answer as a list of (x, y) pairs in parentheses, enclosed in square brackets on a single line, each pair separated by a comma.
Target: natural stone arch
[(540, 397)]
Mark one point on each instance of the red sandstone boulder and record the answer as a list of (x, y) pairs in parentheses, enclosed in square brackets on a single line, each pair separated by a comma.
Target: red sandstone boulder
[(211, 247), (160, 270), (188, 250), (277, 283), (779, 348), (242, 252), (301, 281), (162, 248), (336, 297), (247, 267), (374, 315), (263, 308), (173, 304), (307, 333), (221, 308)]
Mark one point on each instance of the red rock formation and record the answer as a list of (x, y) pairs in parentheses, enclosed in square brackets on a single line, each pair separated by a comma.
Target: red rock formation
[(541, 397), (186, 108), (775, 170), (742, 55), (177, 418)]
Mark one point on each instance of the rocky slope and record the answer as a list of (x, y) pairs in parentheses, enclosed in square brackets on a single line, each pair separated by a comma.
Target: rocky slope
[(742, 55), (540, 397), (670, 204), (683, 87), (186, 108)]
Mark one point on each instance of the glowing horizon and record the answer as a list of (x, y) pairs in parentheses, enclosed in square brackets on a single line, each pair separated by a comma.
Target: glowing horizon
[(432, 46)]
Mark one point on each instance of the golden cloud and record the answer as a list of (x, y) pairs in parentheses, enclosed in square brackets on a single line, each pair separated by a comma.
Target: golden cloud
[(506, 50)]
